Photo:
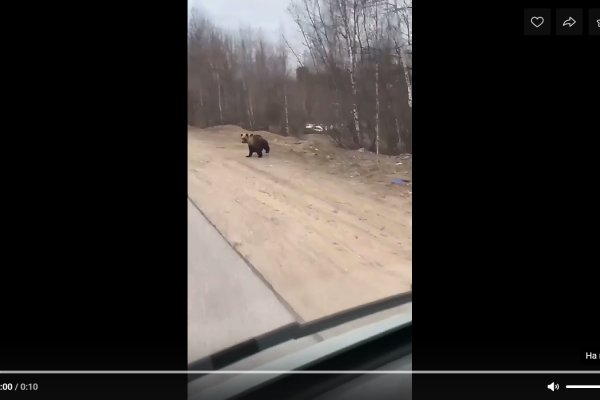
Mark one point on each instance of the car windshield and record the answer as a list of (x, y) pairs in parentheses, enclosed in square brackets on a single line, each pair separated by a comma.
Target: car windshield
[(299, 164)]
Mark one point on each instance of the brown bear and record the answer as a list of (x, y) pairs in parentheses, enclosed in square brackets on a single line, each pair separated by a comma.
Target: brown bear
[(256, 144)]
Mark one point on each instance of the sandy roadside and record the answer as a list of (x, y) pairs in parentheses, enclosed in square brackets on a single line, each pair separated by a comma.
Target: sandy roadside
[(322, 225)]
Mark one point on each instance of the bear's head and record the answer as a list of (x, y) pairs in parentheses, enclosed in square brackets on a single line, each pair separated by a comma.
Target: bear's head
[(246, 136)]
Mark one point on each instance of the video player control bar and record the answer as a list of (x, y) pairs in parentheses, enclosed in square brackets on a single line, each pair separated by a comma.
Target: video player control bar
[(555, 386)]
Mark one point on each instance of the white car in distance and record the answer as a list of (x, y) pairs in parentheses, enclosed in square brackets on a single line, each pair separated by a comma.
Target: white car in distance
[(314, 127)]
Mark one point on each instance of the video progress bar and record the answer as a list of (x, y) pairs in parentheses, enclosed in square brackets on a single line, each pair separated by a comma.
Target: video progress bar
[(300, 372), (582, 386)]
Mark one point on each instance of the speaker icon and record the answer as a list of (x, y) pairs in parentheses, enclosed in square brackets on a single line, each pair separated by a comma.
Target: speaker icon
[(553, 386)]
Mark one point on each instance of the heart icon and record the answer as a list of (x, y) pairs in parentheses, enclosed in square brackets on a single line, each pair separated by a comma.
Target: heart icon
[(537, 21)]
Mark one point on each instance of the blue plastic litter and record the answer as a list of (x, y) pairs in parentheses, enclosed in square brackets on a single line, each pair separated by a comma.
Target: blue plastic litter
[(399, 181)]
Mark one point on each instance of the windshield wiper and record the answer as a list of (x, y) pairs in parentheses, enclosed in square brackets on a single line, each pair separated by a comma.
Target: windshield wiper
[(292, 331)]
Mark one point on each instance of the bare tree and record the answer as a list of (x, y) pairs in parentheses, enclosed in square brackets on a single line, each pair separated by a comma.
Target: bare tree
[(282, 55), (403, 41), (349, 31)]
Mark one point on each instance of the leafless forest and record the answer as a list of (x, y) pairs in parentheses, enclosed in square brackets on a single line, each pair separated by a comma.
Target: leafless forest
[(352, 75)]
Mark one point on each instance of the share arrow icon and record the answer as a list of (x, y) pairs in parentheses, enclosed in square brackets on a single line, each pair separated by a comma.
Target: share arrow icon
[(569, 22)]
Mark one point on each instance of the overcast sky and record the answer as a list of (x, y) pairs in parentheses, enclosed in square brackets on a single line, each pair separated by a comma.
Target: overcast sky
[(269, 15)]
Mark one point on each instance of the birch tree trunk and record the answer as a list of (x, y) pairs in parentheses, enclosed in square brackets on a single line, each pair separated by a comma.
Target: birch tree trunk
[(377, 107), (248, 103), (287, 122), (349, 37), (398, 134), (355, 109), (201, 96), (407, 79), (253, 121), (219, 90)]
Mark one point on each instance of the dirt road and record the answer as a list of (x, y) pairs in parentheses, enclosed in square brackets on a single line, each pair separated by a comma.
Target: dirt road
[(324, 226)]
